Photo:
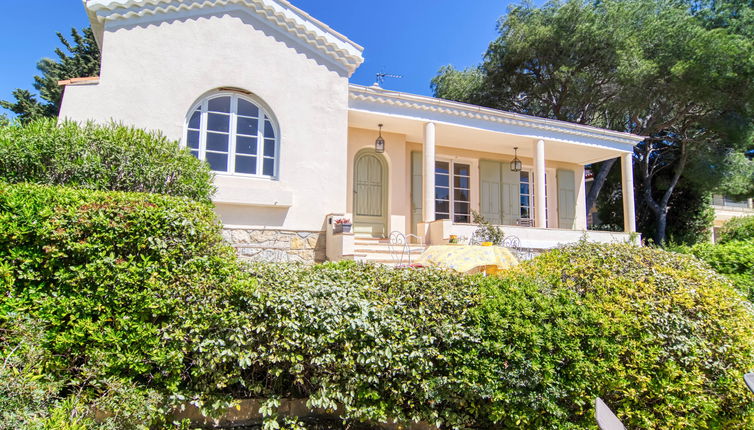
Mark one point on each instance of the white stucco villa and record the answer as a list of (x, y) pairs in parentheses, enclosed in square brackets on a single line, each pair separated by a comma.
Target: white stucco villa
[(260, 90)]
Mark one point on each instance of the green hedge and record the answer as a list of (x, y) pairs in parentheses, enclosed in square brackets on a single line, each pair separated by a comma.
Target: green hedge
[(662, 339), (737, 230), (113, 280), (100, 157), (133, 304), (734, 259)]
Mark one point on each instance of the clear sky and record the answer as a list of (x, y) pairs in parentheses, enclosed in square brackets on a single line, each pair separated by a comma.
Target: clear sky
[(413, 38)]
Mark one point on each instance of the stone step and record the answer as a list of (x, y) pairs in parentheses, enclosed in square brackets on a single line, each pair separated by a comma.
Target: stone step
[(414, 251)]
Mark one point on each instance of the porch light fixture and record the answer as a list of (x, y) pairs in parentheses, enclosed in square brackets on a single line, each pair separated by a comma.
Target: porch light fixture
[(379, 144), (516, 163)]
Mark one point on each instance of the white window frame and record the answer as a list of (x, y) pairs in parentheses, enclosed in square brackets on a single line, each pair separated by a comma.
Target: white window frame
[(551, 196), (451, 186), (233, 134), (530, 174)]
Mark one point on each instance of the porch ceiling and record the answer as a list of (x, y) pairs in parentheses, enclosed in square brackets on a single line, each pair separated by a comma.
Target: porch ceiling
[(476, 139), (461, 125)]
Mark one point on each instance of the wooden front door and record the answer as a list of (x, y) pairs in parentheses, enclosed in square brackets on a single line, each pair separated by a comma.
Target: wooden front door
[(370, 194)]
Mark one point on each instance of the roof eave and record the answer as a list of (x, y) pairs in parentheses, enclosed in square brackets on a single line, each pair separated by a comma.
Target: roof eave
[(318, 36), (465, 110)]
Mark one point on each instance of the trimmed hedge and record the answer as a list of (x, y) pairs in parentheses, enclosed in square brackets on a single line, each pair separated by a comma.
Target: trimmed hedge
[(662, 339), (737, 230), (734, 259), (106, 276), (101, 157), (139, 306)]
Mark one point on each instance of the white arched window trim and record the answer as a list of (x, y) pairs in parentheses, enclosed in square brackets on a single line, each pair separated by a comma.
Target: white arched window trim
[(263, 155)]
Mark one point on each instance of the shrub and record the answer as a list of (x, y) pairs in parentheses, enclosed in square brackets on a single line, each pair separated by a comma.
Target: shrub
[(100, 157), (487, 232), (113, 279), (369, 338), (141, 306), (734, 259), (661, 338), (738, 229)]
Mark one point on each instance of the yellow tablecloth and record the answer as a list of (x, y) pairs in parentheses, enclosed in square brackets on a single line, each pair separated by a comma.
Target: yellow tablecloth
[(465, 258)]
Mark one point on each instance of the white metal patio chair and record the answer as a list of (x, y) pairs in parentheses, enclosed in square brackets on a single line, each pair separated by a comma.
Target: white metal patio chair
[(749, 380), (400, 248), (606, 419)]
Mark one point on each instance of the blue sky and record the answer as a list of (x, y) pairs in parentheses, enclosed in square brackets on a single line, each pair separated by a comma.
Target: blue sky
[(413, 38)]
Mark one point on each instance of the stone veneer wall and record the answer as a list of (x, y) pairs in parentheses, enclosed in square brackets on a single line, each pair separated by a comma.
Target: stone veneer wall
[(280, 246)]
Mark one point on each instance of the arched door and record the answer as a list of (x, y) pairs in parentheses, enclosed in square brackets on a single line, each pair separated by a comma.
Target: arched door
[(370, 194)]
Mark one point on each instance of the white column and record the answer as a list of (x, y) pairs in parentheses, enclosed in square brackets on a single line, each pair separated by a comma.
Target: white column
[(629, 211), (540, 208), (428, 152)]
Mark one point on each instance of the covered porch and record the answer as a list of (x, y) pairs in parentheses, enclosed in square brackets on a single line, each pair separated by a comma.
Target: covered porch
[(445, 160)]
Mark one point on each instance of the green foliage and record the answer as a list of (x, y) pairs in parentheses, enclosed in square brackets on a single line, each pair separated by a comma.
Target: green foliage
[(26, 391), (680, 72), (690, 213), (112, 280), (132, 304), (82, 59), (487, 232), (734, 259), (738, 229), (739, 181), (370, 338), (657, 335), (102, 157)]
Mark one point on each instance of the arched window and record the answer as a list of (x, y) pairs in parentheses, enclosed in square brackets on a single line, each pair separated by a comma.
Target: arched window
[(234, 134)]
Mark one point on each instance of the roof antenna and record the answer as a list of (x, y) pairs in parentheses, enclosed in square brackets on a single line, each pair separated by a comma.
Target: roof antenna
[(381, 78)]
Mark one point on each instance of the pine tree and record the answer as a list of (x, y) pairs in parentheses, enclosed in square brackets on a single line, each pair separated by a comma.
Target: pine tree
[(81, 58)]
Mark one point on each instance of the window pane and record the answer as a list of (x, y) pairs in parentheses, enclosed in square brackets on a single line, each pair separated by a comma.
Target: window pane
[(462, 208), (461, 169), (442, 206), (442, 181), (269, 167), (217, 162), (466, 219), (220, 104), (196, 120), (247, 126), (246, 165), (195, 153), (217, 142), (247, 109), (442, 167), (269, 147), (246, 145), (524, 177), (218, 122), (524, 188), (461, 195), (442, 193), (439, 215), (461, 182), (269, 131), (524, 200), (193, 139), (525, 213)]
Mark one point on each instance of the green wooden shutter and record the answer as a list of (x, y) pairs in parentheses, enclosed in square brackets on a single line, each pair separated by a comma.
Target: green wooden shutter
[(511, 196), (490, 191), (416, 190), (566, 199)]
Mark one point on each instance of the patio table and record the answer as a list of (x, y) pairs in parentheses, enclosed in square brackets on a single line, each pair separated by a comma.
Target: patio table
[(467, 258)]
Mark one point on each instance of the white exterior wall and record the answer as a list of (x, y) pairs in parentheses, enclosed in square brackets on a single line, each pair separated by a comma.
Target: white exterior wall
[(154, 72)]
